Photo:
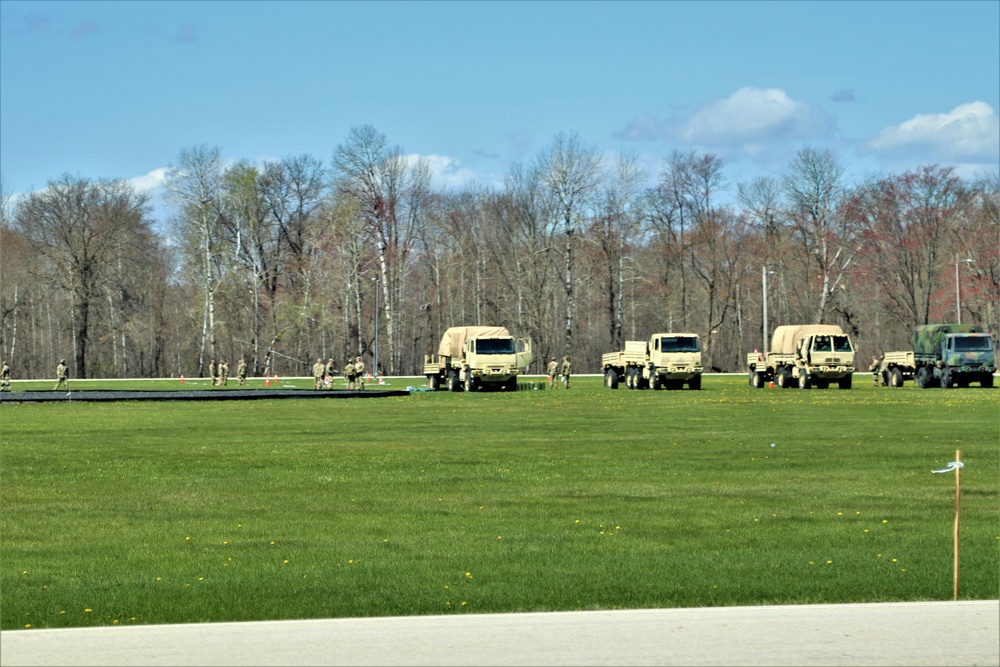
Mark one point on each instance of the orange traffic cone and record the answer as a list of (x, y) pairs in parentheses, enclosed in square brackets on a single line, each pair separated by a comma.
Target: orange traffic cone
[(381, 380), (182, 378), (267, 381)]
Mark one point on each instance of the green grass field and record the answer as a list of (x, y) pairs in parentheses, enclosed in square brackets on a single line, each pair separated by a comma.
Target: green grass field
[(173, 512)]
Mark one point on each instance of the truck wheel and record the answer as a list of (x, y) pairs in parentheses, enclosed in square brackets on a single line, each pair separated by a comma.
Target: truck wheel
[(784, 377), (510, 385), (757, 380), (895, 378), (987, 380), (611, 379), (695, 382), (656, 383), (946, 382), (924, 377), (803, 379), (433, 381), (822, 384), (470, 382), (845, 382), (453, 382), (632, 377)]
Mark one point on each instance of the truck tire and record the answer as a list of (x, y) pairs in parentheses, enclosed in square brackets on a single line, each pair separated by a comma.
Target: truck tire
[(510, 385), (986, 381), (895, 377), (804, 379), (695, 383), (632, 376), (434, 382), (821, 384), (470, 382), (783, 377), (924, 377), (946, 381), (611, 379), (845, 382), (453, 382), (656, 383), (757, 380)]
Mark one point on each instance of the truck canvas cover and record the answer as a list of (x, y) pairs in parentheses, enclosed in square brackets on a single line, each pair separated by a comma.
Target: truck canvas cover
[(784, 338), (927, 338), (454, 338)]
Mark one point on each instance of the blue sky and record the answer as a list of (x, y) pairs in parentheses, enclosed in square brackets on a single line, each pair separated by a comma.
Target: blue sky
[(117, 89)]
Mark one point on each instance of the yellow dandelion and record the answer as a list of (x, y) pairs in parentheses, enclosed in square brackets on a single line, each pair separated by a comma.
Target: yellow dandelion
[(468, 575), (27, 625), (464, 603), (187, 538), (87, 611), (114, 622), (829, 562), (285, 561)]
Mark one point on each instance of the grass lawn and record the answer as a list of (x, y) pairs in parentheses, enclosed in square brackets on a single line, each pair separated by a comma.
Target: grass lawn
[(171, 512)]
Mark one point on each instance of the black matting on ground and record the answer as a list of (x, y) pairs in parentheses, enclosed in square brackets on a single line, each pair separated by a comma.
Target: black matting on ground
[(200, 395)]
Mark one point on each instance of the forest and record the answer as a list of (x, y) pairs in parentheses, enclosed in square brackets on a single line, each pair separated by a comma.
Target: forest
[(292, 260)]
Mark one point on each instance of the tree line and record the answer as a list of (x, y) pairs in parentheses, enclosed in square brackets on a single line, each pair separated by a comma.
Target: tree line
[(290, 260)]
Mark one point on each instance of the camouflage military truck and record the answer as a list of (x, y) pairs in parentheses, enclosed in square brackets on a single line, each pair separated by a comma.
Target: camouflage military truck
[(471, 358), (943, 355), (666, 360), (804, 356)]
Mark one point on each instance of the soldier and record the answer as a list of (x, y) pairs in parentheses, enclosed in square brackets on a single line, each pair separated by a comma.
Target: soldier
[(349, 373), (566, 368), (223, 373), (241, 372), (62, 374), (328, 374), (874, 368), (359, 373), (318, 369), (211, 371), (553, 373), (4, 377)]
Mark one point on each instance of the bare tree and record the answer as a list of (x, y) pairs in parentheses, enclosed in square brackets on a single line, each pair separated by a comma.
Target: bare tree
[(570, 172), (829, 242), (904, 220), (390, 195), (79, 227), (616, 228), (195, 187)]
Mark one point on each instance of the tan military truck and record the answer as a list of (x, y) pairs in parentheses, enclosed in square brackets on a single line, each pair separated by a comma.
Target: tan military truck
[(472, 358), (804, 356), (666, 360)]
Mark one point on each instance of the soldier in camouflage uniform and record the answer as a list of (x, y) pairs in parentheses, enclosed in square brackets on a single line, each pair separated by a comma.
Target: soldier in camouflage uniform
[(328, 374), (553, 373), (359, 372), (318, 369), (211, 371), (566, 368), (349, 373), (4, 377), (62, 374), (223, 373), (241, 372)]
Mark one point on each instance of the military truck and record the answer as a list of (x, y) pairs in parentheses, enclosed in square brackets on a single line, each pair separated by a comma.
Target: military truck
[(943, 355), (666, 360), (481, 357), (804, 356)]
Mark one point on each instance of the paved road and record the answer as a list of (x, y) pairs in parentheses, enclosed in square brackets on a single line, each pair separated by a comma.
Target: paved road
[(896, 634)]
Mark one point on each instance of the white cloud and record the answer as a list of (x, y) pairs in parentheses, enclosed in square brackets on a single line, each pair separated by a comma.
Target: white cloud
[(762, 124), (969, 132), (150, 181), (446, 172), (751, 115)]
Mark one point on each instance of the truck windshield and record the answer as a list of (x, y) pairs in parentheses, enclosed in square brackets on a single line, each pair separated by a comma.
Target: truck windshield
[(973, 343), (842, 344), (680, 344), (495, 346)]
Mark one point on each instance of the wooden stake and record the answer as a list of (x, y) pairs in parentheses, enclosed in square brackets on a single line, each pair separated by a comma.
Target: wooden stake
[(958, 514)]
